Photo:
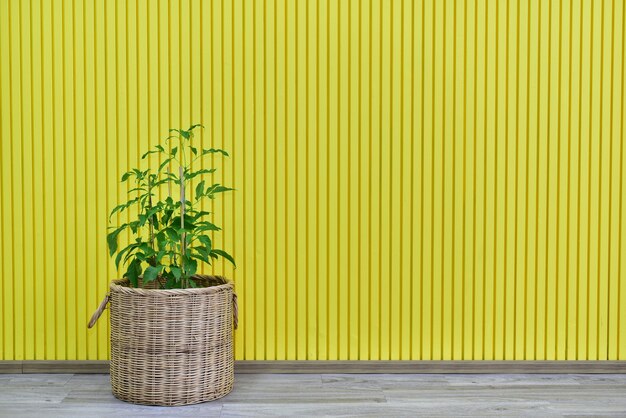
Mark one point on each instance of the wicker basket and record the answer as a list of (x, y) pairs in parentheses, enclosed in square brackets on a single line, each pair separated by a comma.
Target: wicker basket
[(172, 347)]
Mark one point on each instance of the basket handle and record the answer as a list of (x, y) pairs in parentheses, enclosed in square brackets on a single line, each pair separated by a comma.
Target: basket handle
[(235, 311), (98, 311)]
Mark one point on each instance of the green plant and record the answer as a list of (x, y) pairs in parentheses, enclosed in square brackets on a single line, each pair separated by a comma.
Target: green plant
[(171, 235)]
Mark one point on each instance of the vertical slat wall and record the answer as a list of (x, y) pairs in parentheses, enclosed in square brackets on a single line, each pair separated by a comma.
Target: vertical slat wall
[(415, 179)]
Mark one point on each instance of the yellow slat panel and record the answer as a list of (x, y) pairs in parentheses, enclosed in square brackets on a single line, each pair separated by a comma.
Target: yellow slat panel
[(405, 153), (489, 184), (583, 187), (27, 183), (16, 201), (373, 179), (5, 148), (415, 121), (437, 185), (479, 165), (415, 179), (426, 169), (573, 194), (615, 149)]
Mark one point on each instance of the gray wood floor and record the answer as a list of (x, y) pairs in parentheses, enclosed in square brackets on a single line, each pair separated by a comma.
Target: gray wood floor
[(67, 395)]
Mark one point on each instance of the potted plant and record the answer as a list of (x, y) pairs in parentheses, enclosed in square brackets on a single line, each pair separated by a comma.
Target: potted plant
[(171, 328)]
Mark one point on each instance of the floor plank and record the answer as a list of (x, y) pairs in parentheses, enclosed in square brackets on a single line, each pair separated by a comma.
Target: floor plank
[(337, 395)]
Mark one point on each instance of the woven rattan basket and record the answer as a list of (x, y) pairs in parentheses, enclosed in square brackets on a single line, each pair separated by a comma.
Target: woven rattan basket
[(172, 347)]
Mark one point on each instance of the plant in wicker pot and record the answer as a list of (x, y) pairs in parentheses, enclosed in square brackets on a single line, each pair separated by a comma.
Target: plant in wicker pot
[(171, 328)]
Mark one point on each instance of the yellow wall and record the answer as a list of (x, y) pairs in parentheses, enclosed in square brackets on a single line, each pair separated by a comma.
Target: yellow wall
[(437, 180)]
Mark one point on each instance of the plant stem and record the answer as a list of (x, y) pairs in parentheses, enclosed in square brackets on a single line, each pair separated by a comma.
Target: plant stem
[(182, 221), (151, 225), (169, 183), (169, 194)]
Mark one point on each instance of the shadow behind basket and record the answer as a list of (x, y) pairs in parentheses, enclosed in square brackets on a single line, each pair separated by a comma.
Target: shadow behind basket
[(172, 347)]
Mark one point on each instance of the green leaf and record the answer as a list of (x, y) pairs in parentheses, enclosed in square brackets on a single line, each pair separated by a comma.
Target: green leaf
[(190, 266), (189, 224), (112, 239), (225, 255), (143, 218), (206, 226), (202, 250), (133, 272), (141, 256), (159, 256), (201, 257), (118, 208), (194, 150), (167, 214), (220, 189), (147, 249), (176, 271), (197, 215), (173, 152), (216, 188), (160, 238), (148, 153), (183, 133), (164, 163), (151, 273), (130, 253), (197, 125), (120, 254), (199, 190), (214, 151), (155, 222), (183, 230), (160, 182), (154, 210), (171, 234), (189, 176), (204, 239), (170, 176), (172, 283), (134, 226)]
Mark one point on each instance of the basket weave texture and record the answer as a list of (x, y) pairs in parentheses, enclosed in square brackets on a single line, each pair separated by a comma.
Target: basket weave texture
[(172, 347)]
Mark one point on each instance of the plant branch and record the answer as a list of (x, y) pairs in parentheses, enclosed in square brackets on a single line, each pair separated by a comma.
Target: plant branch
[(182, 219), (150, 221), (166, 238)]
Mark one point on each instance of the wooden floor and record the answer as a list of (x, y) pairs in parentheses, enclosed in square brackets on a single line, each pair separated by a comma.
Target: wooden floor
[(67, 395)]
